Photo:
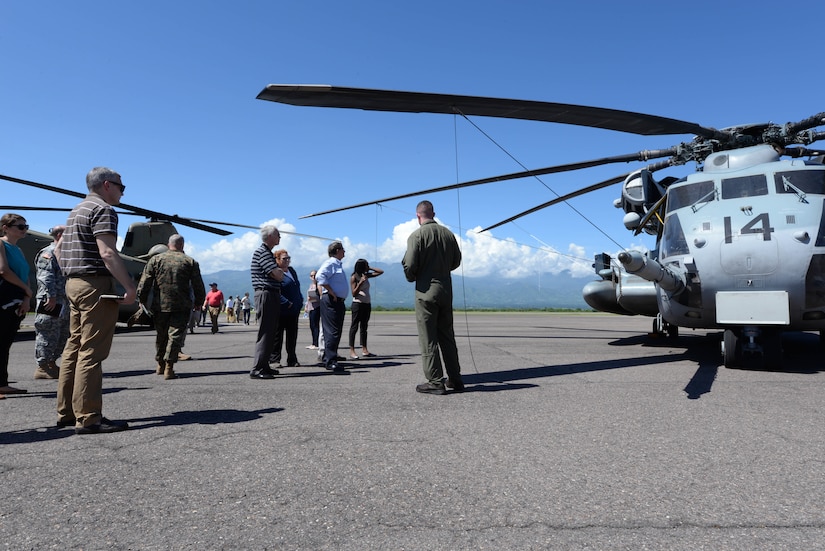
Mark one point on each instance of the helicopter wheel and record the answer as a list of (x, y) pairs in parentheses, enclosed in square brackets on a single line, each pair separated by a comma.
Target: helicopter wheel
[(731, 352), (660, 326), (672, 330)]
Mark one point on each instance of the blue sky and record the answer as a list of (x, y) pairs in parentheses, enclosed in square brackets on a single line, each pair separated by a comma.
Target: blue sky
[(164, 93)]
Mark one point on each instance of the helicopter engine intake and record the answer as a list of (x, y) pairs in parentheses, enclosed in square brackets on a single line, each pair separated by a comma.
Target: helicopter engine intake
[(637, 264)]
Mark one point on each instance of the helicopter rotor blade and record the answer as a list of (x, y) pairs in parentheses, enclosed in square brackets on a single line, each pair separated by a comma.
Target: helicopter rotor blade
[(639, 156), (582, 191), (137, 210), (418, 102), (44, 209), (259, 227)]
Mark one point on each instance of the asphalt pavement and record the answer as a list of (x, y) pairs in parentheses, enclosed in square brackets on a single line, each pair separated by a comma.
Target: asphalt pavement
[(576, 431)]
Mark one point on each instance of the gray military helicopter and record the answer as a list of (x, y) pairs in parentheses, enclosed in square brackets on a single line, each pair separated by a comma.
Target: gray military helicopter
[(740, 243)]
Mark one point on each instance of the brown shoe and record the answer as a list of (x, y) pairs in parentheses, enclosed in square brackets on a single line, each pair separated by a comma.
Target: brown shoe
[(161, 368), (43, 372), (183, 357), (169, 373)]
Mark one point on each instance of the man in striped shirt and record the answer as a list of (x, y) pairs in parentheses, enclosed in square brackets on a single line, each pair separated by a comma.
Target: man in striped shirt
[(90, 261), (266, 280)]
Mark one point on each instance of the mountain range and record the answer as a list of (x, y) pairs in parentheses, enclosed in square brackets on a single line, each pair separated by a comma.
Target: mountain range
[(392, 291)]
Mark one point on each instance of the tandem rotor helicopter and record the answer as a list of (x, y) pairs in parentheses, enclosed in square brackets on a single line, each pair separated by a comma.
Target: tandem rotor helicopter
[(740, 243), (142, 241)]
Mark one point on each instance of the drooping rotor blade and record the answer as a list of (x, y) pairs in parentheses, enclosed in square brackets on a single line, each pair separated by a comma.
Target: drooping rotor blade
[(259, 227), (640, 156), (318, 95), (137, 210), (44, 209), (583, 191)]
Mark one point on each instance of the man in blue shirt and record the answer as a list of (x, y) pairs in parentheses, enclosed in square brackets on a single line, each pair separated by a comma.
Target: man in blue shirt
[(334, 286)]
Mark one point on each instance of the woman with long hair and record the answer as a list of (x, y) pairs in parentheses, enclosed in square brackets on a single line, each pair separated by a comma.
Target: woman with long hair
[(361, 307)]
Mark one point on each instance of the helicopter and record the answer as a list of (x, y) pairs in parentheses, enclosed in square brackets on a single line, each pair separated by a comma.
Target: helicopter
[(142, 241), (740, 243)]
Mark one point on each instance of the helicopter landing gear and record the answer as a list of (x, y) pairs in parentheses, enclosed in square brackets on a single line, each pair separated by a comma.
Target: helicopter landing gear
[(661, 327), (752, 348), (731, 352)]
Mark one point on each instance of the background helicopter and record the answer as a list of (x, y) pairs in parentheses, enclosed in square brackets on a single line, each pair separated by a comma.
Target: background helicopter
[(739, 243), (142, 241)]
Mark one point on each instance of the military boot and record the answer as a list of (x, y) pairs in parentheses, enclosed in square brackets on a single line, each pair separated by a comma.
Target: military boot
[(169, 373), (45, 372), (161, 367)]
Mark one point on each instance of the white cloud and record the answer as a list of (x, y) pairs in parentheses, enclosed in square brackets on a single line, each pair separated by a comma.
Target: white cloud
[(483, 254)]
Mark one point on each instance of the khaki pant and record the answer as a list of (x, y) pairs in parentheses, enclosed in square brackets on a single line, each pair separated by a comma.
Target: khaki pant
[(214, 312), (91, 330)]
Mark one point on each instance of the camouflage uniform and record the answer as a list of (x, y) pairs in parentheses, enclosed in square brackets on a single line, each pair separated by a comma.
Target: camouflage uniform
[(52, 331), (169, 277)]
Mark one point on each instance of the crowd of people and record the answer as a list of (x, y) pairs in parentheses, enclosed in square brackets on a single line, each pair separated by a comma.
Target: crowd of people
[(77, 308)]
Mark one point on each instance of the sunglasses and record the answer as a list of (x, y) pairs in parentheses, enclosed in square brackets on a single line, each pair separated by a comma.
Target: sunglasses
[(118, 184), (23, 227)]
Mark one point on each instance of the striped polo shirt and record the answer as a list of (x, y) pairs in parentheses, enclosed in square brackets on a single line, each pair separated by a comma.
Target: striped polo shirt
[(263, 262), (79, 255)]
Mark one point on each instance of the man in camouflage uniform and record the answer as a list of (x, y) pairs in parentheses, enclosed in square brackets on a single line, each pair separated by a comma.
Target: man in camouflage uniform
[(169, 277), (52, 327)]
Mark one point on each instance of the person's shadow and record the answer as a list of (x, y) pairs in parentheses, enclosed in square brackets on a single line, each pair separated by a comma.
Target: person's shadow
[(207, 417), (201, 417)]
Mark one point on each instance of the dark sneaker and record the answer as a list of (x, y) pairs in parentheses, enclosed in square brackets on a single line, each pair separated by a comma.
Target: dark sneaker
[(429, 388), (456, 386), (105, 425), (262, 374), (339, 370), (63, 423)]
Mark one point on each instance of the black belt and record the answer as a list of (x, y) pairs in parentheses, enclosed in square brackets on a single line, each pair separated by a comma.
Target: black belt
[(72, 276), (268, 289)]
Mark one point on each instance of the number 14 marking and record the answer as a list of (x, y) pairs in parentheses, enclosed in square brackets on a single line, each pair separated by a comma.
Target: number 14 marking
[(760, 224)]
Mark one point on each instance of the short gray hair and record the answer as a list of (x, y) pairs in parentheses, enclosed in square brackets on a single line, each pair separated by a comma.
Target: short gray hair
[(268, 231), (176, 240), (98, 175)]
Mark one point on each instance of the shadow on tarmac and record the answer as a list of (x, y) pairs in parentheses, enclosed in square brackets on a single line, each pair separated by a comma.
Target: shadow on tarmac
[(179, 418), (201, 417)]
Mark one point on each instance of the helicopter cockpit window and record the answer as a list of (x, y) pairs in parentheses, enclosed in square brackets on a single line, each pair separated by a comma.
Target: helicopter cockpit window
[(687, 195), (805, 181), (746, 186), (673, 238)]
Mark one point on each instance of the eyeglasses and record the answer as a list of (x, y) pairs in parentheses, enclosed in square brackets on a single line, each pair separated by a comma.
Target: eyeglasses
[(23, 227), (287, 258), (118, 184)]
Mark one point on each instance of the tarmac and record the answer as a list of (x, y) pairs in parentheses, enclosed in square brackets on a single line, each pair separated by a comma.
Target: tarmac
[(576, 431)]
